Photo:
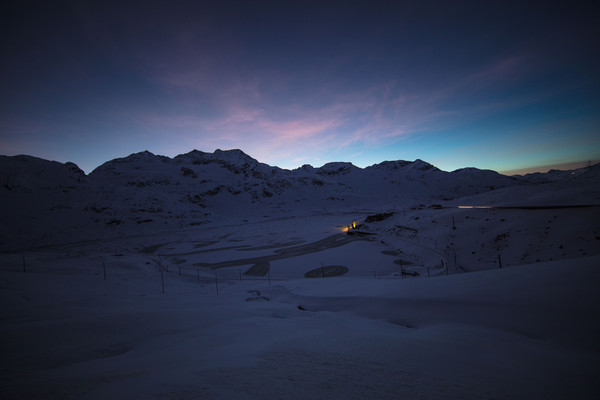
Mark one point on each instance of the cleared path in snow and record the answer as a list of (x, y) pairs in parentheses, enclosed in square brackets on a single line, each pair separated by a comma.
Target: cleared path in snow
[(329, 242)]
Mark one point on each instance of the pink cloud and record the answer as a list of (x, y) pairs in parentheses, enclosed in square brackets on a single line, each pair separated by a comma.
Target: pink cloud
[(503, 72), (295, 130), (247, 113)]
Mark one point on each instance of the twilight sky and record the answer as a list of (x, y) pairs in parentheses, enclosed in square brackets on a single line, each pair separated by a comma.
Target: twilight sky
[(499, 85)]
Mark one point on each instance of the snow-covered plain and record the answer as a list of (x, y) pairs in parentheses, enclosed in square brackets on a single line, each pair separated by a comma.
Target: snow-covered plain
[(185, 279)]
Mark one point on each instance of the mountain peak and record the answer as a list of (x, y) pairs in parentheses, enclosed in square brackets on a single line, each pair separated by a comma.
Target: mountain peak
[(232, 155), (390, 165), (423, 165), (337, 168), (234, 158)]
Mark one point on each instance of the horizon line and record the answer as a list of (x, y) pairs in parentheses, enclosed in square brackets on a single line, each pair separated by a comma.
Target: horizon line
[(568, 166)]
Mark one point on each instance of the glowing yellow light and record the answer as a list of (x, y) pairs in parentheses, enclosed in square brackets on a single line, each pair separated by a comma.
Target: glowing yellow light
[(347, 228)]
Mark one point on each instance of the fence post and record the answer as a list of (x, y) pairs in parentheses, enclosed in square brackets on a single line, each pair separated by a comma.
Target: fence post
[(455, 264), (401, 269), (500, 261)]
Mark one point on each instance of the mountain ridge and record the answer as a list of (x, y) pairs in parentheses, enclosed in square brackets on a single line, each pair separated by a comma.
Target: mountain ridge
[(143, 190), (232, 155)]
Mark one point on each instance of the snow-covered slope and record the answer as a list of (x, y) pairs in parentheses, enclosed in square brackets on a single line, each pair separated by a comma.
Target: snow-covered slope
[(39, 198), (518, 333), (194, 277), (47, 202)]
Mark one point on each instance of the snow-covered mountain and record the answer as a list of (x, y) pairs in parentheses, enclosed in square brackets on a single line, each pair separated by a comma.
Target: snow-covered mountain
[(213, 265), (46, 201)]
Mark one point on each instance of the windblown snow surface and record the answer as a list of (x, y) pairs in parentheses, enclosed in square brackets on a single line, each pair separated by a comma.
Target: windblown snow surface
[(212, 276)]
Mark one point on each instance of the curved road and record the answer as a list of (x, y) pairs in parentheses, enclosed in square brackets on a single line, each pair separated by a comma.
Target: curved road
[(339, 239)]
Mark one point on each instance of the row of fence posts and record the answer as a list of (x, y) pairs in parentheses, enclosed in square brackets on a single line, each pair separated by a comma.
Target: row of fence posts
[(103, 267), (402, 273), (269, 274), (162, 279), (454, 251)]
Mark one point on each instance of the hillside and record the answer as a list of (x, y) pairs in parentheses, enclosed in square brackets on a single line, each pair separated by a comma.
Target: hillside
[(211, 275), (45, 202)]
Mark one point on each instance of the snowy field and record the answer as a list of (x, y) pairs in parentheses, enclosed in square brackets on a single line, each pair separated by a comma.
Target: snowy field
[(213, 276), (239, 320)]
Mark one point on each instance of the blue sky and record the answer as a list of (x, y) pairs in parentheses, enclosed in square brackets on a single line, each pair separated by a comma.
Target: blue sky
[(499, 85)]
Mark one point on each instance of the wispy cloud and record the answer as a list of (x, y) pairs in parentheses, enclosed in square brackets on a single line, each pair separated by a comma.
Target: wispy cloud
[(500, 71), (274, 116)]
